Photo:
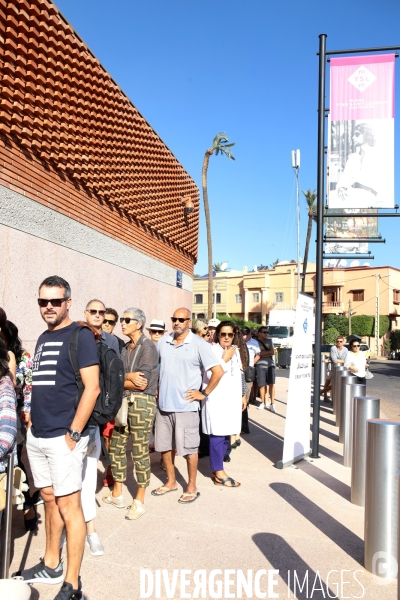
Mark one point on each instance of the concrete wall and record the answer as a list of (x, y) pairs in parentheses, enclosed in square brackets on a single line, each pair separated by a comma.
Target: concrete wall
[(36, 242)]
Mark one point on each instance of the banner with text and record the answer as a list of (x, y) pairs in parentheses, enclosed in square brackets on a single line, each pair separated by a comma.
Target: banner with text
[(361, 132), (296, 443)]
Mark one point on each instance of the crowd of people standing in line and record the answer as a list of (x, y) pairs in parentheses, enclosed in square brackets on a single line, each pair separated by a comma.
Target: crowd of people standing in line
[(189, 390)]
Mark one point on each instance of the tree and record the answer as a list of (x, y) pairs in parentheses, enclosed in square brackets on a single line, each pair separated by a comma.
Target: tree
[(330, 335), (217, 267), (273, 264), (310, 197), (220, 146)]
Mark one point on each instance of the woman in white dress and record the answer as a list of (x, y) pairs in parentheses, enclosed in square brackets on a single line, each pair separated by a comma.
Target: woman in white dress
[(222, 409), (355, 361)]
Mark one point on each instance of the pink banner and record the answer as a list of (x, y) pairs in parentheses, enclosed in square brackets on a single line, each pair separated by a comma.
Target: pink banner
[(362, 87), (361, 133)]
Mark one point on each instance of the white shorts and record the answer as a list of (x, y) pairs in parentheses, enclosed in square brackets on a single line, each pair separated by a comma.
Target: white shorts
[(54, 464)]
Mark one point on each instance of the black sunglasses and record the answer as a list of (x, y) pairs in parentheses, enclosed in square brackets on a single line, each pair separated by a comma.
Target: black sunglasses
[(55, 302), (229, 335), (263, 331), (175, 319), (355, 345), (93, 311), (109, 321), (127, 320)]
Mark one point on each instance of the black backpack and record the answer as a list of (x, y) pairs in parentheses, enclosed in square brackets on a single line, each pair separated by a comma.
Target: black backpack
[(112, 375)]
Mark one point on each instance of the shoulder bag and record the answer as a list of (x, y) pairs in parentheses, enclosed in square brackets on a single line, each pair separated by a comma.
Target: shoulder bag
[(121, 418), (249, 372)]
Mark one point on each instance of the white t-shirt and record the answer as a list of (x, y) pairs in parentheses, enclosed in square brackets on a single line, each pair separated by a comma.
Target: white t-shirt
[(253, 349), (356, 360)]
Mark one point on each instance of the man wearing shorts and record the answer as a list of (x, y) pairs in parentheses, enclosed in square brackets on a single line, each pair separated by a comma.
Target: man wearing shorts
[(265, 369), (57, 437), (183, 358)]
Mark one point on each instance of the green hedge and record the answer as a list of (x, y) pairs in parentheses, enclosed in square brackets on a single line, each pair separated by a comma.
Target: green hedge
[(395, 340), (238, 321), (330, 335), (362, 325)]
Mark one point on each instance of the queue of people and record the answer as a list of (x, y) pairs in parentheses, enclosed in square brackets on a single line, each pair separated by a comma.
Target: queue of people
[(169, 379)]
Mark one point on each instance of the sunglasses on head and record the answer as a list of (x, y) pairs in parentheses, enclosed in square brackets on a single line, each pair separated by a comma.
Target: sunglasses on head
[(180, 319), (93, 311), (229, 335), (127, 320), (109, 321), (55, 302)]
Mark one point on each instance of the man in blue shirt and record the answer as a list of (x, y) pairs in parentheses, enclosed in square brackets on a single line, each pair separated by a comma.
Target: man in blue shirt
[(183, 358), (57, 435)]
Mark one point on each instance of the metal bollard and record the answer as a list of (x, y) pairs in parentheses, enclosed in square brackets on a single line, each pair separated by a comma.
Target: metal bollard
[(345, 378), (324, 369), (338, 370), (333, 372), (351, 390), (364, 408), (382, 497)]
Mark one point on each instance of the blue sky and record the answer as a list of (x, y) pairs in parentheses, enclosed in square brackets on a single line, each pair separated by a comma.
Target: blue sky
[(250, 69)]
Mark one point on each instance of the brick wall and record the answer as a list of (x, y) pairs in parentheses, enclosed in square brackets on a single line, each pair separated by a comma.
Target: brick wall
[(71, 139)]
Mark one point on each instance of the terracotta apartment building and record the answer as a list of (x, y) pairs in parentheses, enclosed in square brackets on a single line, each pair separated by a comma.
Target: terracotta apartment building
[(252, 295), (88, 190)]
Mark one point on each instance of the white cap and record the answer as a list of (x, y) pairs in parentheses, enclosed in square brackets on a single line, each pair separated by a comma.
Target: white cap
[(157, 325), (214, 322)]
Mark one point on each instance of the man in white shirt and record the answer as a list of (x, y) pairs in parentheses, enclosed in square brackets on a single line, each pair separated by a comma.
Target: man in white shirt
[(253, 355)]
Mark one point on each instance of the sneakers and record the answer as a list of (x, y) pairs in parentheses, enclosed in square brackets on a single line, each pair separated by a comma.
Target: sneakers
[(261, 406), (95, 545), (272, 408), (136, 511), (117, 502), (42, 574), (67, 592)]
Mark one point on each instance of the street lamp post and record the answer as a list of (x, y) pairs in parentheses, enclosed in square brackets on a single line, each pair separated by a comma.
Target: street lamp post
[(296, 167)]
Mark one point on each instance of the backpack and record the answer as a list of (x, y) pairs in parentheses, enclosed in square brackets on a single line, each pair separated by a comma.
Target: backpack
[(112, 375)]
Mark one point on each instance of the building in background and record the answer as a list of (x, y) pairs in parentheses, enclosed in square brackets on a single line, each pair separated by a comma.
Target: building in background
[(252, 295), (88, 190)]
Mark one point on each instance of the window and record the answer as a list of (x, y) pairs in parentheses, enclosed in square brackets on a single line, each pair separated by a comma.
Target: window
[(358, 295), (256, 298), (238, 298), (198, 298), (279, 297), (217, 298), (396, 296)]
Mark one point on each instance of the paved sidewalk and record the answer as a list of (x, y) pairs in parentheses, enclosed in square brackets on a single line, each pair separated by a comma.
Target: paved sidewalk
[(293, 519)]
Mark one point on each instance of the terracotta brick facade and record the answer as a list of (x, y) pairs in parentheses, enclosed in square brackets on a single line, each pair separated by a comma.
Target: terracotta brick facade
[(71, 140)]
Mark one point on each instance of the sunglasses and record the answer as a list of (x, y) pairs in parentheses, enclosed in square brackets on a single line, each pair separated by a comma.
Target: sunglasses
[(55, 302), (155, 331), (229, 335), (93, 311), (355, 345), (358, 133), (109, 321), (265, 331), (175, 319), (127, 320)]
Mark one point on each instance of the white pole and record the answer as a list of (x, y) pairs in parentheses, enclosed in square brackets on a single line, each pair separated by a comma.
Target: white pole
[(296, 167), (377, 345)]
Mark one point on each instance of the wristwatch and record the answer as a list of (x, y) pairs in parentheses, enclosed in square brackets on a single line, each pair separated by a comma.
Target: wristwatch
[(74, 435), (204, 394)]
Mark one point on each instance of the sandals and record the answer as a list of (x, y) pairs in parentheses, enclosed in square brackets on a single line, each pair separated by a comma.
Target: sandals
[(161, 491), (193, 495), (226, 482)]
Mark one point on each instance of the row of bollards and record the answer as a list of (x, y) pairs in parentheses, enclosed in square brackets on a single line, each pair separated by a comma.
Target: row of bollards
[(371, 448)]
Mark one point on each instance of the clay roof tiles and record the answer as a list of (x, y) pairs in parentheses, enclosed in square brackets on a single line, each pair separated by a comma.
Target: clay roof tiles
[(64, 105)]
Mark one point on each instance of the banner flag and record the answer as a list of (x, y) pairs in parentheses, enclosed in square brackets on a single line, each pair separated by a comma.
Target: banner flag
[(361, 132), (350, 227), (296, 443)]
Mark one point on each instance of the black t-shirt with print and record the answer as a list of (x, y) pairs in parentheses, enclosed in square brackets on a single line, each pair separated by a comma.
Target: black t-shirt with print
[(54, 388)]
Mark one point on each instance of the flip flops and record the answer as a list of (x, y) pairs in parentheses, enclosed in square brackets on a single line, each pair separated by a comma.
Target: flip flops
[(166, 490), (193, 495)]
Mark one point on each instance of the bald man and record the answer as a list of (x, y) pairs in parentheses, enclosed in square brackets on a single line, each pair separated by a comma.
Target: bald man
[(184, 357)]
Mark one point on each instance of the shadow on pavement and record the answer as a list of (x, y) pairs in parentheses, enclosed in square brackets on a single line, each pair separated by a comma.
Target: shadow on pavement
[(283, 558), (267, 442), (331, 454), (330, 482), (348, 541)]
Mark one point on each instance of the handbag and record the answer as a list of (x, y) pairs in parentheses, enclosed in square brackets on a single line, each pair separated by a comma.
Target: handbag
[(121, 418), (249, 372), (368, 375)]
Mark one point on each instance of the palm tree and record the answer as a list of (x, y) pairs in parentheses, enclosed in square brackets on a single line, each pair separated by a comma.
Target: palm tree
[(220, 146), (310, 197), (217, 267)]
